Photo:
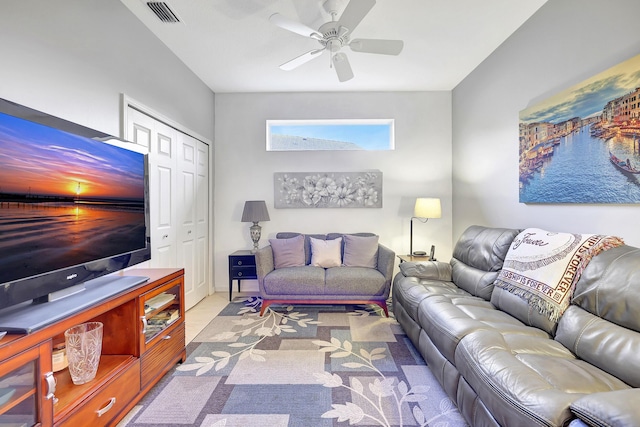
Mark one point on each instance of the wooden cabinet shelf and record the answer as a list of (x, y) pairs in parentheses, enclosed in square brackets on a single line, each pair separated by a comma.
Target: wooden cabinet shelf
[(132, 361)]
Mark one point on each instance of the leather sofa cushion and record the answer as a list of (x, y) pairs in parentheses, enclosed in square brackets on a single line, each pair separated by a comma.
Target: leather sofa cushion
[(434, 270), (447, 319), (473, 280), (518, 375), (520, 308), (611, 409), (609, 287), (307, 280), (606, 345), (478, 257), (413, 290), (354, 281)]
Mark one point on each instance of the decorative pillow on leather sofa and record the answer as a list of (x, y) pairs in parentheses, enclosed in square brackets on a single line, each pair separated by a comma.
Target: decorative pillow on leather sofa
[(288, 252), (360, 251), (326, 253)]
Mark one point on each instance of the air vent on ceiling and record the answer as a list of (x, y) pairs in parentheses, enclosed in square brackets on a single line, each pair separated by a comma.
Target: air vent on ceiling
[(163, 11)]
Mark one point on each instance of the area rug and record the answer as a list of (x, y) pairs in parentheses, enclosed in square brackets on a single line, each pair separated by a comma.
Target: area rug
[(300, 366)]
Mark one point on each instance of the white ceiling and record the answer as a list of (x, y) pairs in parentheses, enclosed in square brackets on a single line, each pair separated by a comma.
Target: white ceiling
[(232, 46)]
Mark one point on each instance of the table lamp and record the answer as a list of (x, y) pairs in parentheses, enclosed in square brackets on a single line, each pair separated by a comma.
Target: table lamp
[(255, 211), (424, 209)]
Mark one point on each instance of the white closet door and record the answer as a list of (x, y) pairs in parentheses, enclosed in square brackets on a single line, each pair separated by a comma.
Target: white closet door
[(202, 221), (179, 193), (161, 141), (187, 188)]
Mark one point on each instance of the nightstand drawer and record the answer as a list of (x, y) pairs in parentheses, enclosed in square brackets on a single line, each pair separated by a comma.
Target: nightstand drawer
[(248, 271), (243, 261)]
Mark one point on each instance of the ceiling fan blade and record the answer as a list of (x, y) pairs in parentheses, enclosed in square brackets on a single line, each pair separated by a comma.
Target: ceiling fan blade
[(294, 26), (302, 59), (355, 11), (343, 69), (385, 47)]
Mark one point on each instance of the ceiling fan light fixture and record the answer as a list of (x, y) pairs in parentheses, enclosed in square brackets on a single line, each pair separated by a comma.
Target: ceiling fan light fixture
[(342, 67), (334, 46), (336, 34)]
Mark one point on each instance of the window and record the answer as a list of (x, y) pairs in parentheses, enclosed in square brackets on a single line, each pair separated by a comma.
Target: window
[(357, 134)]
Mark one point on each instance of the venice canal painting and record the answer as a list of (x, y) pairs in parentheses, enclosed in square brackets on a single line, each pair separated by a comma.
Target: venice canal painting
[(65, 199), (583, 144)]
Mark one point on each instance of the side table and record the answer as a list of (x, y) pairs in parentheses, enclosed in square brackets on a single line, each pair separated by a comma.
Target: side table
[(414, 258), (242, 265)]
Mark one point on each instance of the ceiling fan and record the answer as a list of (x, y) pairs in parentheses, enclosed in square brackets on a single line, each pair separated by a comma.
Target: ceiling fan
[(336, 34)]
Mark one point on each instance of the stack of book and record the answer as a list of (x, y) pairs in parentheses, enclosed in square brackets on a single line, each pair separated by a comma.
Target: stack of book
[(158, 301), (165, 317)]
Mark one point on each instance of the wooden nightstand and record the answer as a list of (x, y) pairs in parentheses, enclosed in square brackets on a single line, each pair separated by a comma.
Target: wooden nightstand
[(414, 258), (242, 265)]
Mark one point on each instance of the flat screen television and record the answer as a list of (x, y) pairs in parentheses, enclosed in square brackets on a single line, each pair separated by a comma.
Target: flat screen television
[(73, 207)]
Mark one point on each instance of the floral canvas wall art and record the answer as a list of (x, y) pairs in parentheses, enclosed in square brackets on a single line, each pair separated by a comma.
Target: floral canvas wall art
[(328, 189)]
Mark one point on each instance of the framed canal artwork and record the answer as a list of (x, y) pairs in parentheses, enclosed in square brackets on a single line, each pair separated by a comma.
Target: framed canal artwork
[(583, 144)]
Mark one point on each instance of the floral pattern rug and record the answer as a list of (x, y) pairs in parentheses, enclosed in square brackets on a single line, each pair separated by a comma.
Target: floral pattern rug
[(298, 366)]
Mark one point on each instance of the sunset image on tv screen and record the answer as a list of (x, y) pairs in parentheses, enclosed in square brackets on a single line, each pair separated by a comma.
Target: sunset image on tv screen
[(41, 161), (65, 199)]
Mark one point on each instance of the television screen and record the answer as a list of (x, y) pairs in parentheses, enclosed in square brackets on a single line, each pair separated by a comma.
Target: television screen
[(65, 201)]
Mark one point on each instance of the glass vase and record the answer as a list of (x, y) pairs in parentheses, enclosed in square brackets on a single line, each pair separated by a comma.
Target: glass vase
[(84, 345)]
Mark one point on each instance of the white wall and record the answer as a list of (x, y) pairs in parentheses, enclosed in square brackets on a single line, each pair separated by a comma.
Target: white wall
[(565, 42), (419, 166), (73, 59)]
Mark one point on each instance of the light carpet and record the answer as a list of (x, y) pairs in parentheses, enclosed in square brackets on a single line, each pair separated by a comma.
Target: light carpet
[(300, 366)]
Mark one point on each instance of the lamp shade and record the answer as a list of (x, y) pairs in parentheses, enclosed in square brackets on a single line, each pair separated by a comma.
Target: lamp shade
[(427, 208), (255, 211)]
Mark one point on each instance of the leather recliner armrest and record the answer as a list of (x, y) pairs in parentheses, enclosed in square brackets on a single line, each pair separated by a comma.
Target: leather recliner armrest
[(609, 409), (432, 270)]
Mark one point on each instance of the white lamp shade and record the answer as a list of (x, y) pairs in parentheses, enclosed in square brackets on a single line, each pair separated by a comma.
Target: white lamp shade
[(427, 208)]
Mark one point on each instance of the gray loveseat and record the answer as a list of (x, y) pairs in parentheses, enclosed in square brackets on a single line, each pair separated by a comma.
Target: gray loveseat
[(582, 370), (308, 284)]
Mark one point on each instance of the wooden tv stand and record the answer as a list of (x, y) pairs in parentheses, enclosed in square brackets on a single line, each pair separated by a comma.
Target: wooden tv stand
[(140, 344)]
